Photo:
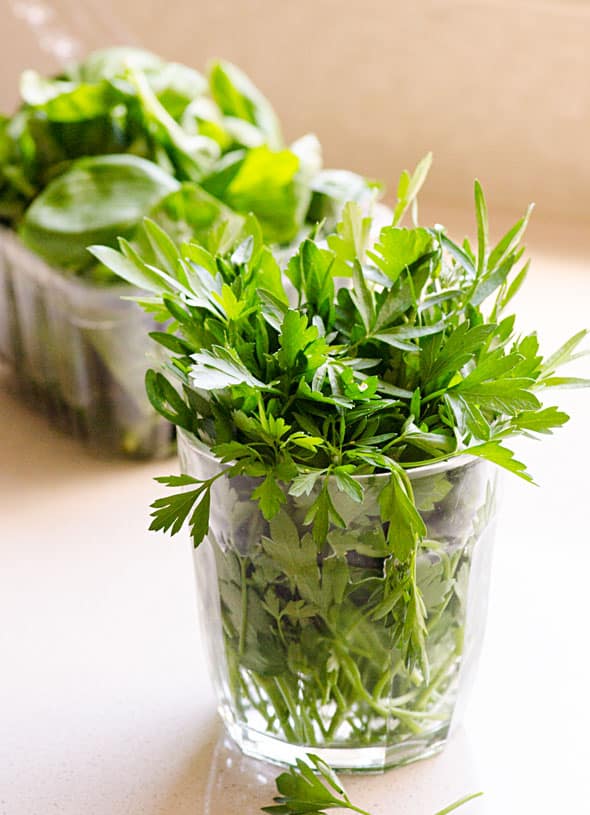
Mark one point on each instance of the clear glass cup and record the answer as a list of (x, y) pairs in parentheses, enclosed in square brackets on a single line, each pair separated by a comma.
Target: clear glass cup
[(302, 648)]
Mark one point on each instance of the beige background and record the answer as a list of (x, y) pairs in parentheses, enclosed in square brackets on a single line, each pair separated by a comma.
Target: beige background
[(495, 88)]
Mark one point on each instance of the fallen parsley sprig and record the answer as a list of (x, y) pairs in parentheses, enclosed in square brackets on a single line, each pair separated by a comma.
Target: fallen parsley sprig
[(310, 788)]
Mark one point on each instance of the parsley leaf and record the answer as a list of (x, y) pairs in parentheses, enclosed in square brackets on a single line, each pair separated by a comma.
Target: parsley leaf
[(270, 496), (220, 368), (313, 787), (294, 338), (398, 249), (171, 512)]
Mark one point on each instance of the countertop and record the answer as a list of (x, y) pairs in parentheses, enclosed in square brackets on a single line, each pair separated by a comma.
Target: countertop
[(105, 704)]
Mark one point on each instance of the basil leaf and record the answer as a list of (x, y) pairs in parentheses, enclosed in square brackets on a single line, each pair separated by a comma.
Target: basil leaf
[(95, 201)]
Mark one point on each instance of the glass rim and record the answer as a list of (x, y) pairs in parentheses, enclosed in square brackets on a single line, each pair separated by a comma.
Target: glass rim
[(414, 473)]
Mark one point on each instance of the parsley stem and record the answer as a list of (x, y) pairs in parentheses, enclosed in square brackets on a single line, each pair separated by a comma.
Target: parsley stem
[(356, 809), (378, 689), (451, 570), (259, 704), (459, 803), (278, 703), (439, 677), (434, 395), (244, 620), (298, 723), (341, 712), (352, 671)]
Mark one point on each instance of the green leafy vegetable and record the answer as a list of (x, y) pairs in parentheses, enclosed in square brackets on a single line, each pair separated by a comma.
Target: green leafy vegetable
[(238, 97), (95, 201), (408, 188), (122, 135), (322, 393), (313, 787), (265, 183), (218, 136)]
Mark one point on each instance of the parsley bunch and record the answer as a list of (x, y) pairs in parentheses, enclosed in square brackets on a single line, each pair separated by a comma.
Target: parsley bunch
[(355, 359), (321, 389)]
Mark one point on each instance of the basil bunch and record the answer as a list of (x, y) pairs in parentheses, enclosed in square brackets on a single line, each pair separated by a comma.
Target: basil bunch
[(125, 134)]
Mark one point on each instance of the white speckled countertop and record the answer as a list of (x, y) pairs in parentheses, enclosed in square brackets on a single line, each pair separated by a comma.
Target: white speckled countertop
[(105, 704)]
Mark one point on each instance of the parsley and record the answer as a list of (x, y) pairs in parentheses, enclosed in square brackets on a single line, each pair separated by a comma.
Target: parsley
[(321, 388), (312, 787)]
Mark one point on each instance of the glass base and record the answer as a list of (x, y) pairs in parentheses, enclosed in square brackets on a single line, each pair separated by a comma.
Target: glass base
[(348, 759)]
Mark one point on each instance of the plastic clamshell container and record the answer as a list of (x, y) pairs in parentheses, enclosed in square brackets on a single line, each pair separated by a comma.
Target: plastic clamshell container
[(79, 353)]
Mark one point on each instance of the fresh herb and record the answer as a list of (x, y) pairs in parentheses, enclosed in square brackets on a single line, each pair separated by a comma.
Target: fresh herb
[(400, 367), (63, 187), (321, 390), (312, 787), (88, 154), (97, 198)]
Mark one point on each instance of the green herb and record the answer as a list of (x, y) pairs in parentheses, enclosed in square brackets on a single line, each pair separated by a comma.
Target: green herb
[(321, 390), (217, 135), (117, 137), (238, 98), (407, 351), (313, 787), (97, 200)]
